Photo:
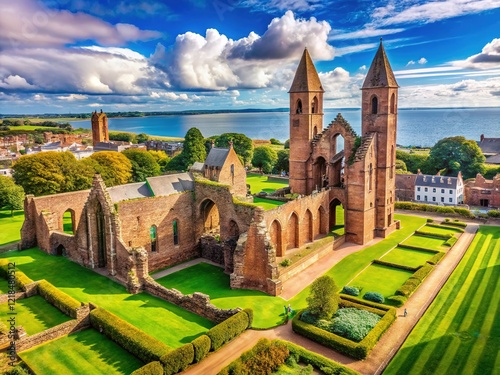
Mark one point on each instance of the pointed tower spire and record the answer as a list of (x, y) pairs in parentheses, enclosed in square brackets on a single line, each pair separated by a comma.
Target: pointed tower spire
[(306, 77), (380, 73)]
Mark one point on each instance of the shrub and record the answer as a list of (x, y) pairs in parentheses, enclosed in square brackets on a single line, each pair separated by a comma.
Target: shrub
[(250, 316), (451, 241), (178, 359), (21, 280), (67, 304), (374, 296), (397, 301), (376, 308), (436, 258), (432, 208), (201, 347), (285, 263), (395, 265), (17, 370), (353, 324), (152, 368), (429, 220), (132, 339), (423, 272), (433, 235), (455, 223), (351, 290), (227, 330)]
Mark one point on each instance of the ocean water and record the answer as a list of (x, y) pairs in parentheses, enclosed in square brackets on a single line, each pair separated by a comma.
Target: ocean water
[(418, 127)]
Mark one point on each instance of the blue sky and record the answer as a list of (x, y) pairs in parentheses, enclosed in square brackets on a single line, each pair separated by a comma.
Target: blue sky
[(59, 56)]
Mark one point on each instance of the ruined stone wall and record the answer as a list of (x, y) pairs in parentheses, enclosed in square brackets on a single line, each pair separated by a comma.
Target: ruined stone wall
[(405, 187), (480, 188)]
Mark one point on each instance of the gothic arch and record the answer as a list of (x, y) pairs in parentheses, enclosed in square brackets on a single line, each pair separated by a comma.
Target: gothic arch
[(323, 221), (374, 103), (293, 231), (335, 221), (234, 230), (314, 105), (298, 106), (393, 103), (308, 226), (60, 250), (320, 173), (275, 233), (68, 221), (210, 216)]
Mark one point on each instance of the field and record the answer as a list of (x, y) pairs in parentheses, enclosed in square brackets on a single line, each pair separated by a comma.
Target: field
[(407, 257), (10, 226), (425, 242), (260, 183), (460, 332), (267, 204), (86, 352)]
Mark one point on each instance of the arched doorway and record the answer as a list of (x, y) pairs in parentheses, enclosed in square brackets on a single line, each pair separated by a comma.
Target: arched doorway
[(234, 231), (68, 221), (293, 231), (337, 217), (323, 221), (101, 236), (336, 175), (275, 234), (60, 250), (319, 173), (308, 226), (210, 216)]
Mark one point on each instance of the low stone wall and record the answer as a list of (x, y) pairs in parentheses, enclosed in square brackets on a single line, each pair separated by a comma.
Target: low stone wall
[(4, 298), (197, 303), (212, 249)]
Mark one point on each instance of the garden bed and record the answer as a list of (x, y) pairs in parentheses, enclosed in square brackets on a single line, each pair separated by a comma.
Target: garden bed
[(407, 257)]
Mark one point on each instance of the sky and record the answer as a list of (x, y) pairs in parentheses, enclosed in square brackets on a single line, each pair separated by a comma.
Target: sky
[(76, 56)]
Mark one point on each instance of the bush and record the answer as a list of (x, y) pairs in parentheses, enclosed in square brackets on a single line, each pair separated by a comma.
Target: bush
[(423, 272), (395, 265), (351, 290), (178, 359), (152, 368), (250, 316), (228, 330), (353, 324), (285, 262), (323, 299), (433, 235), (132, 339), (451, 241), (432, 208), (430, 220), (447, 226), (21, 280), (201, 347), (374, 296), (67, 304), (456, 223), (397, 301), (436, 258)]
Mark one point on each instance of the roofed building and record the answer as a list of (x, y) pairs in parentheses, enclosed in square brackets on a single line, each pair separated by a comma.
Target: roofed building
[(443, 190)]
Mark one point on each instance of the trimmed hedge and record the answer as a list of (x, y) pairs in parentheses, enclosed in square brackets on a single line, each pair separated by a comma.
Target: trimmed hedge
[(423, 272), (323, 364), (455, 223), (250, 316), (152, 368), (431, 208), (228, 329), (350, 290), (397, 301), (356, 350), (201, 347), (377, 308), (21, 279), (451, 242), (418, 248), (448, 225), (434, 235), (131, 338), (414, 281), (178, 359), (67, 304), (374, 296), (394, 265), (436, 259)]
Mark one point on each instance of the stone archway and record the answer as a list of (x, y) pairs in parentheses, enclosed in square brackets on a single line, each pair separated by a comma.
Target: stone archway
[(308, 226), (60, 250), (337, 215), (319, 173), (210, 217), (68, 221), (293, 231), (275, 234), (323, 221)]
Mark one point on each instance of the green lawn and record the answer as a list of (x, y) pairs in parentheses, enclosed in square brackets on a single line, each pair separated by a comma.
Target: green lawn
[(425, 242), (4, 286), (460, 332), (442, 230), (407, 257), (260, 183), (163, 320), (86, 352), (34, 314), (213, 281), (379, 278), (67, 223), (267, 204), (10, 226)]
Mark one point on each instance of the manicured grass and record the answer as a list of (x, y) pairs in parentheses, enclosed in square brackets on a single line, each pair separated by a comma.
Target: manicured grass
[(212, 280), (407, 257), (31, 127), (67, 223), (4, 286), (35, 314), (442, 230), (425, 242), (351, 265), (86, 352), (460, 332), (379, 278), (267, 204), (10, 226), (260, 183), (167, 322)]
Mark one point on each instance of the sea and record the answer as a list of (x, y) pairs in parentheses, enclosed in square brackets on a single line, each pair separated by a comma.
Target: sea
[(416, 127)]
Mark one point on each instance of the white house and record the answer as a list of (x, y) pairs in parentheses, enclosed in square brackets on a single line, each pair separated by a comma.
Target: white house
[(440, 190)]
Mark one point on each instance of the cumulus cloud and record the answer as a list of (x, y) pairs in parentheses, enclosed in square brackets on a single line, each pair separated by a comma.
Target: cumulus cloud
[(72, 97), (488, 58), (15, 82), (422, 61)]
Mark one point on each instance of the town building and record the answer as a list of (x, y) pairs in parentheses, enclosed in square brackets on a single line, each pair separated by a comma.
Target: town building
[(490, 148), (482, 192), (442, 190)]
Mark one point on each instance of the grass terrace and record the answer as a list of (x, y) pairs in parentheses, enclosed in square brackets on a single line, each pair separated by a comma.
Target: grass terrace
[(10, 226), (407, 257), (431, 243), (86, 352), (165, 321), (441, 230), (35, 314), (460, 332), (267, 204), (265, 183)]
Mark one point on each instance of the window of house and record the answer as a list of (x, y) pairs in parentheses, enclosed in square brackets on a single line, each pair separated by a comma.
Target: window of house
[(442, 199), (425, 198), (451, 191), (433, 199), (442, 191), (433, 190), (175, 231), (426, 190), (451, 200), (418, 197), (418, 188), (374, 105)]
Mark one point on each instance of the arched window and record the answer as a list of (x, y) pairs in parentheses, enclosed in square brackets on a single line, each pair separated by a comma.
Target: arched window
[(314, 105), (374, 105), (393, 103), (175, 231), (154, 240), (299, 107)]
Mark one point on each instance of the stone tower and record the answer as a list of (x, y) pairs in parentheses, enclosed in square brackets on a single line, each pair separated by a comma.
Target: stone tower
[(379, 117), (306, 120), (99, 127)]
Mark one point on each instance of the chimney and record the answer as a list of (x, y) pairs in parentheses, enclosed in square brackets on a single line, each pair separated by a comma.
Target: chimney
[(230, 144), (482, 137), (213, 143)]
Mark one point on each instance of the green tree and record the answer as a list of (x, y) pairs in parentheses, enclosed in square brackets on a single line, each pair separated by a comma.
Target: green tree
[(11, 195), (193, 150), (124, 137), (323, 300), (283, 163), (264, 157), (243, 146), (142, 137), (275, 141), (454, 154), (161, 158), (144, 164), (287, 144), (114, 167), (414, 161)]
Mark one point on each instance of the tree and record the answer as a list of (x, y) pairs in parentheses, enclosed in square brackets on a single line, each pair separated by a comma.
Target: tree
[(114, 167), (275, 141), (124, 137), (142, 138), (161, 158), (287, 143), (455, 154), (243, 146), (283, 163), (264, 157), (323, 300), (144, 164), (414, 161), (11, 195), (193, 151)]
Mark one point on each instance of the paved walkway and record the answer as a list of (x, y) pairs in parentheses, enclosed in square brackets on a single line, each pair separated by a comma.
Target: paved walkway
[(390, 342)]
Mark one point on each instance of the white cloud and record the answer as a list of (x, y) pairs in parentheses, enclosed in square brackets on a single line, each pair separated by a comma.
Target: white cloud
[(367, 32), (73, 97), (422, 61), (411, 62), (281, 5), (169, 95), (488, 58), (15, 82)]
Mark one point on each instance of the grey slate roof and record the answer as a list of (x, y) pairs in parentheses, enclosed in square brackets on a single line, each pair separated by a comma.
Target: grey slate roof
[(436, 181), (216, 157), (197, 167), (495, 159), (129, 191), (490, 145)]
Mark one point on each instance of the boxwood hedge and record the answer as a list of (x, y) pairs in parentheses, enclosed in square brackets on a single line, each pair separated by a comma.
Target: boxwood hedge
[(131, 338), (436, 258), (201, 347), (152, 368), (21, 280), (178, 359), (67, 304), (228, 329)]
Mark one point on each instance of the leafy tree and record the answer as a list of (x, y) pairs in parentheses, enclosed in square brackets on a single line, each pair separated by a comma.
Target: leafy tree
[(242, 145), (323, 300), (177, 163), (264, 157), (11, 195), (275, 141), (124, 137), (142, 137), (161, 158), (193, 151), (455, 154), (114, 167), (283, 163), (287, 143), (401, 167), (414, 161), (144, 164)]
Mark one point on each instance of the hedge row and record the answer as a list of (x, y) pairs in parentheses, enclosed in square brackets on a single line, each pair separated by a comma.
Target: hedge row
[(418, 248), (436, 259), (21, 279), (431, 208), (451, 241), (394, 265), (358, 350), (433, 235), (323, 364), (447, 225), (455, 223), (228, 329), (152, 368), (377, 308), (134, 340), (410, 285), (201, 347), (178, 359), (350, 290), (67, 304)]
